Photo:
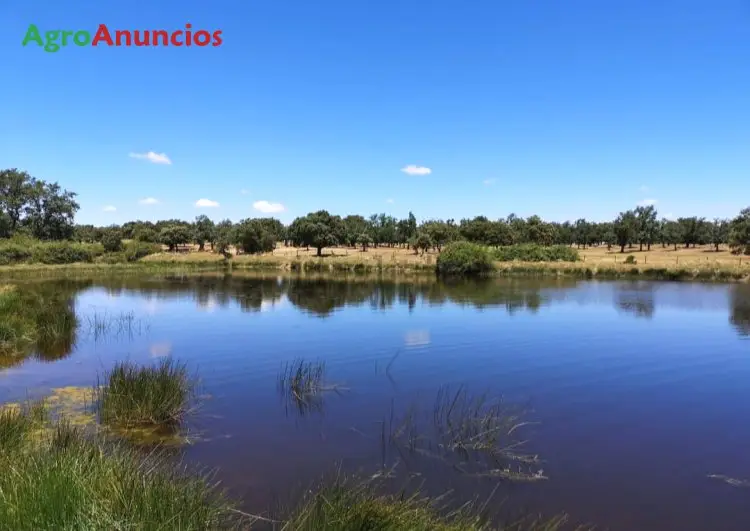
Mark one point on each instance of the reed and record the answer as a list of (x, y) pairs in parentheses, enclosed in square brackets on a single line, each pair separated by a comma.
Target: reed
[(134, 396)]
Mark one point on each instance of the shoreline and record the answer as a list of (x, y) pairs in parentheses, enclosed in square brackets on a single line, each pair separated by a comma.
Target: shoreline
[(179, 264)]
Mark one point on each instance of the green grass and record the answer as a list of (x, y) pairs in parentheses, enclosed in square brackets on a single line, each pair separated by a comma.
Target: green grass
[(18, 423), (302, 378), (67, 482), (359, 506), (134, 396)]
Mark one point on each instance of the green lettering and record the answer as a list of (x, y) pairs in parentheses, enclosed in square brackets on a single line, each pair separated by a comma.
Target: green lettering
[(82, 38), (51, 45), (65, 35), (32, 34)]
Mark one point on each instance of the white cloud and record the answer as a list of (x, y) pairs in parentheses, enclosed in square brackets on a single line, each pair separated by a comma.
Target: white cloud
[(412, 169), (156, 158), (417, 338), (109, 208), (268, 208), (149, 201), (390, 201), (160, 350), (244, 192), (647, 202), (489, 182), (206, 203), (669, 216)]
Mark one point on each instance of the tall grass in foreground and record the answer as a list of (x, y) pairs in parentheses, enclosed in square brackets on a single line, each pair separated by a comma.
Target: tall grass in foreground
[(348, 506), (67, 481), (134, 396)]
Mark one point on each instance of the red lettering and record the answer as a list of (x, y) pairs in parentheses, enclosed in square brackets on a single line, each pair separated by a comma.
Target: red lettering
[(141, 42), (164, 36), (123, 35), (204, 36), (188, 34), (102, 34), (174, 40), (217, 38)]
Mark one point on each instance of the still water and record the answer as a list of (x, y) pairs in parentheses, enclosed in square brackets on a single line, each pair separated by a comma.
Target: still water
[(638, 391)]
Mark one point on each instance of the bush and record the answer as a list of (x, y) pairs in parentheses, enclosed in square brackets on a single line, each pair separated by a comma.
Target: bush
[(464, 258), (136, 250), (12, 252), (532, 252), (112, 240), (631, 259), (65, 252)]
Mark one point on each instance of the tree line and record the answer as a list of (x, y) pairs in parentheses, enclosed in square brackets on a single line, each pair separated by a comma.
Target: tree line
[(46, 211)]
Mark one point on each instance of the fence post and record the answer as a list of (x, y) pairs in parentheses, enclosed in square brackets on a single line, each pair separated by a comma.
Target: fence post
[(645, 259)]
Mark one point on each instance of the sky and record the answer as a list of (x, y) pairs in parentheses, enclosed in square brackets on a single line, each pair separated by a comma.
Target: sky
[(450, 109)]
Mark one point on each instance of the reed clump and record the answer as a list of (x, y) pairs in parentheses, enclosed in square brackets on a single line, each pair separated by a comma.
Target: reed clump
[(69, 481), (135, 396)]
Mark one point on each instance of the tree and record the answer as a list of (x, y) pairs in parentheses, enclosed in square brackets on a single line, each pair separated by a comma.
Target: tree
[(539, 232), (739, 233), (719, 232), (317, 229), (364, 240), (203, 231), (173, 235), (440, 232), (112, 240), (145, 234), (625, 227), (224, 236), (582, 232), (15, 188), (422, 241), (672, 232), (694, 230), (354, 226), (252, 236), (647, 226)]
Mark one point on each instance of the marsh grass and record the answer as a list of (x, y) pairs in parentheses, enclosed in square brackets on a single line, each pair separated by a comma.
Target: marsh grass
[(19, 422), (346, 504), (303, 382), (102, 325), (132, 396), (475, 435), (69, 481)]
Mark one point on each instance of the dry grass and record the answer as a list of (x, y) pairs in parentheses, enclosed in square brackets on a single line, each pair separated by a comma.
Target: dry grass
[(700, 256)]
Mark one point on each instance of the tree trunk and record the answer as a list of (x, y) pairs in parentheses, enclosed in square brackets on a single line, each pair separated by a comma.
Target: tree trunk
[(622, 248), (201, 246), (648, 246), (675, 246), (320, 251), (717, 247), (364, 247), (641, 246)]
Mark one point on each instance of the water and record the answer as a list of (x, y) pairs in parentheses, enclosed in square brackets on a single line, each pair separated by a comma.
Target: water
[(640, 389)]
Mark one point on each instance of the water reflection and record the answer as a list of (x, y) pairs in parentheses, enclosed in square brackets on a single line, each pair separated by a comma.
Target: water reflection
[(49, 307)]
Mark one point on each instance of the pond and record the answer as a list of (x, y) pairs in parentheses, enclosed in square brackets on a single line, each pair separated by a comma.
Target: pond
[(633, 395)]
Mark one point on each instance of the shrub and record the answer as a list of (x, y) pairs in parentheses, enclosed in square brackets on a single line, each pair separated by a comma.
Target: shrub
[(464, 258), (112, 240), (65, 252), (136, 250), (631, 259), (531, 252), (12, 252), (137, 396)]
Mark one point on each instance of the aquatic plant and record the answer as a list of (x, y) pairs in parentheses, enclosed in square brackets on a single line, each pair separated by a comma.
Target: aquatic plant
[(475, 435), (132, 395), (303, 379), (347, 504), (68, 481)]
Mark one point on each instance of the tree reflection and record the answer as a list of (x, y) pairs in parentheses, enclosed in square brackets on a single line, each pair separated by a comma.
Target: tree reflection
[(636, 298), (739, 309)]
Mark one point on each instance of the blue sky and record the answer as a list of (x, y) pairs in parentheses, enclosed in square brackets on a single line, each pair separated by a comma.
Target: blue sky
[(563, 109)]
